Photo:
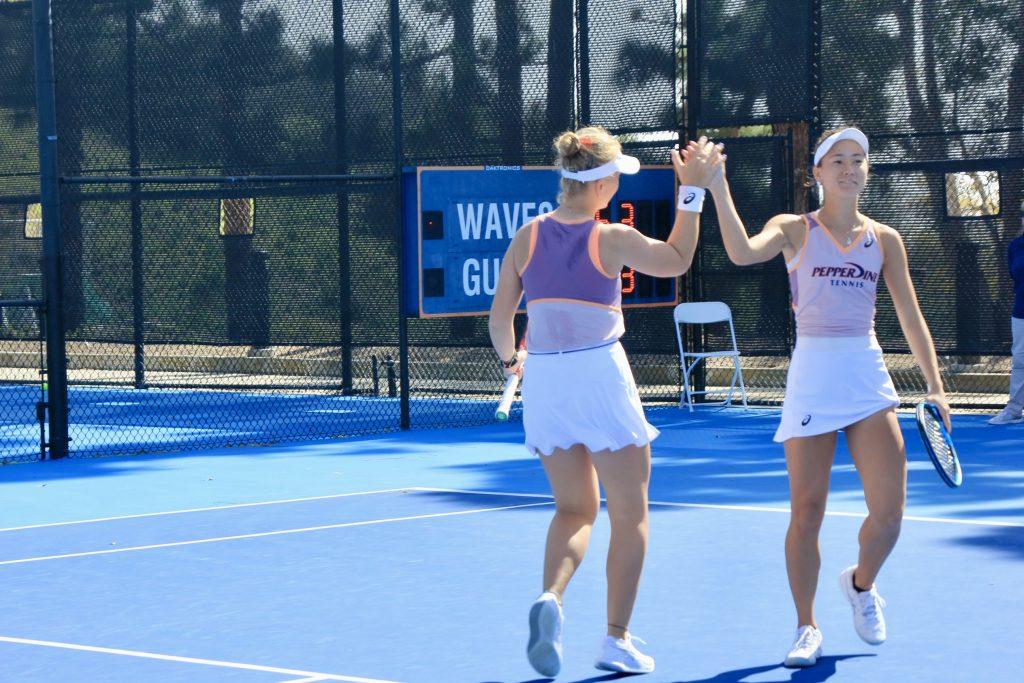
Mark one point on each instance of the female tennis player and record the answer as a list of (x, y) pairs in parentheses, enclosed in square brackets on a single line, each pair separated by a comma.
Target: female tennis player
[(581, 409), (837, 377)]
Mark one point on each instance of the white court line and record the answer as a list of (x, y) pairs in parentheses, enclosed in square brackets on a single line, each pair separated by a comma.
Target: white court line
[(208, 509), (306, 680), (307, 675), (264, 534), (745, 508)]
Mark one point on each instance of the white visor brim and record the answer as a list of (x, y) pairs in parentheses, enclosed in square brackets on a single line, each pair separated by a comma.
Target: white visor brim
[(623, 164), (845, 134)]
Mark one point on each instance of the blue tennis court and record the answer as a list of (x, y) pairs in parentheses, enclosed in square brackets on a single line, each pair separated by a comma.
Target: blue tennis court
[(415, 556), (109, 420)]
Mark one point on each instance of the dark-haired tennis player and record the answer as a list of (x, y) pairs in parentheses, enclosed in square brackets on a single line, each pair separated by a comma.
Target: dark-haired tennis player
[(581, 409), (837, 377)]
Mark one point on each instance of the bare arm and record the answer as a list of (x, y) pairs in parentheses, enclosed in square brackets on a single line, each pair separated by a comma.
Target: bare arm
[(742, 249), (915, 329), (671, 258), (506, 301)]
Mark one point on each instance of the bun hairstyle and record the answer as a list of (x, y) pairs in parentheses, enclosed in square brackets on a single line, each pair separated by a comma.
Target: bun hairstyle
[(581, 150)]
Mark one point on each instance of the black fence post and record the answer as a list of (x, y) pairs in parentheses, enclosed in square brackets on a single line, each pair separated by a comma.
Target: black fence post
[(134, 161), (968, 294), (396, 103), (789, 155), (815, 126), (694, 279), (583, 60), (56, 342), (340, 128)]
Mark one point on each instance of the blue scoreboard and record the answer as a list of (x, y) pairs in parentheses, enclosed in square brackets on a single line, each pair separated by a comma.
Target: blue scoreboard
[(459, 222)]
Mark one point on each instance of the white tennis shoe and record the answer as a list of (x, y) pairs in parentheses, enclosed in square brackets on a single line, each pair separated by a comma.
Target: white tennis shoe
[(806, 648), (868, 619), (544, 649), (622, 655), (1006, 416)]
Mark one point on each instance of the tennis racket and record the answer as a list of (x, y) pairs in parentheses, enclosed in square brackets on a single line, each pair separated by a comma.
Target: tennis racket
[(939, 444), (508, 394)]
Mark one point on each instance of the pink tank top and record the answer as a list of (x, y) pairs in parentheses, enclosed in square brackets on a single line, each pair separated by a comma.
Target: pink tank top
[(834, 286)]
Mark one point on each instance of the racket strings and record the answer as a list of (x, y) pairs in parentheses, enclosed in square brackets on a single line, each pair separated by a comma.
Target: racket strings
[(939, 444)]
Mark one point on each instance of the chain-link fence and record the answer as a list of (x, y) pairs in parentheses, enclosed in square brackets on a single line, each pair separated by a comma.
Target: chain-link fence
[(230, 207), (939, 88)]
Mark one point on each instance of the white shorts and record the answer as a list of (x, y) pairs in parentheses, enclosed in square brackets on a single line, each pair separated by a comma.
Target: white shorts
[(584, 397), (832, 383)]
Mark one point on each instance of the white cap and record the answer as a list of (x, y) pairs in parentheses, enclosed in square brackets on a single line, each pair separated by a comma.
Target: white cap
[(845, 134), (623, 164)]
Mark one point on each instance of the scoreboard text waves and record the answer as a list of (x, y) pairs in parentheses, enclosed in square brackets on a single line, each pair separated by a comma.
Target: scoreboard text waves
[(461, 220)]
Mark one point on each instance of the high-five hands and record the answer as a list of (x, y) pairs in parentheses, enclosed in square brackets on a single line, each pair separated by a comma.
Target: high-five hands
[(699, 164)]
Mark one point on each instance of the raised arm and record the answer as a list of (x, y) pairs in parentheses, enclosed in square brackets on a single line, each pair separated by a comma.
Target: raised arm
[(624, 246), (915, 329), (742, 249)]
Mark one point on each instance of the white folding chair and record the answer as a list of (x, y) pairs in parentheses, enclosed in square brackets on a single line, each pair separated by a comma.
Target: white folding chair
[(700, 313)]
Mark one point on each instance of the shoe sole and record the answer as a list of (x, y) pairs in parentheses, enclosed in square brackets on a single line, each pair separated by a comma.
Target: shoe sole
[(620, 668), (850, 599), (541, 650), (802, 662)]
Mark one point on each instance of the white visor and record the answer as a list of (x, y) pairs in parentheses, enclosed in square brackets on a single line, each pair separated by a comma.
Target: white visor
[(845, 134), (623, 164)]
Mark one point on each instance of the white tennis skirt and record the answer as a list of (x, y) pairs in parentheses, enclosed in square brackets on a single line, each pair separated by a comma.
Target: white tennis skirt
[(832, 383), (584, 397)]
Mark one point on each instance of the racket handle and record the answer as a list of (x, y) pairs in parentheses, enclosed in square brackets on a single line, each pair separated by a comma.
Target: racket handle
[(507, 396)]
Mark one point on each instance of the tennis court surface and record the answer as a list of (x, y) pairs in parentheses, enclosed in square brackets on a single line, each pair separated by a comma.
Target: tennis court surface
[(415, 557)]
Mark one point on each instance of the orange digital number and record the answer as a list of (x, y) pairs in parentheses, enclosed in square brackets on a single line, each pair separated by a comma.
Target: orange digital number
[(628, 280), (627, 212), (627, 215)]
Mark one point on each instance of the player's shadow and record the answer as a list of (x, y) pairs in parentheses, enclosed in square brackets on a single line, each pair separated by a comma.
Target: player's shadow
[(1003, 540), (822, 671)]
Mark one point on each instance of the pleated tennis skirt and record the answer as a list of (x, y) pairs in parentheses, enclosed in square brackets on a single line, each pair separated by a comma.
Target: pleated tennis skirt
[(832, 383), (583, 397)]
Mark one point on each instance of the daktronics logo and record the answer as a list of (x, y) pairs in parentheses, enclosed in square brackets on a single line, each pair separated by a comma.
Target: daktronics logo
[(852, 272)]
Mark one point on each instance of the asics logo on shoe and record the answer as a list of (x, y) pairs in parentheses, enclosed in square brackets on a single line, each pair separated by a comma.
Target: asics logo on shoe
[(806, 420)]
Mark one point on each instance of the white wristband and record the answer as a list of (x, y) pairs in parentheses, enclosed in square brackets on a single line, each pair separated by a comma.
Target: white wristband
[(690, 198)]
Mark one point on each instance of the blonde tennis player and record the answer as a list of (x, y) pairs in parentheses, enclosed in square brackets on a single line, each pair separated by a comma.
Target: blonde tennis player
[(837, 377), (581, 409)]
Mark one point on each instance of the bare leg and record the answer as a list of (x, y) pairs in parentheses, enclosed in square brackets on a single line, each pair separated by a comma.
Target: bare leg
[(625, 475), (809, 461), (876, 445), (577, 500)]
